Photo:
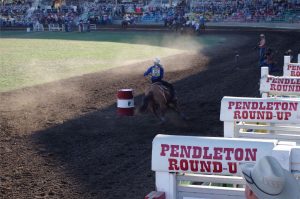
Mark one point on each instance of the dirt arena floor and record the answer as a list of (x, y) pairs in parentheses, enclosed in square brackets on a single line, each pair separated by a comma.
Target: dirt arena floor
[(64, 139)]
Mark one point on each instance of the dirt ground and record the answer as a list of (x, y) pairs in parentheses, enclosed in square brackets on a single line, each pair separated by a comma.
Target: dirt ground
[(64, 139)]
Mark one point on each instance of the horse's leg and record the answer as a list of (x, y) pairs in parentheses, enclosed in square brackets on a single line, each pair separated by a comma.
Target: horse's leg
[(162, 109), (174, 106), (153, 109), (147, 99)]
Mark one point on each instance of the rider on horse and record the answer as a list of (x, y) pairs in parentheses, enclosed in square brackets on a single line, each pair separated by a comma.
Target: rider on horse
[(157, 73)]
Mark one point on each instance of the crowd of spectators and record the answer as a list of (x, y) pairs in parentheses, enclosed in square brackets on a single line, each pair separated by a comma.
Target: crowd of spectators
[(247, 10), (25, 14)]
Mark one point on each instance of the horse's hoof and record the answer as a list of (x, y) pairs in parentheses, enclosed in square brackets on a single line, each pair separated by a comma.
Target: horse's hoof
[(161, 123), (186, 118)]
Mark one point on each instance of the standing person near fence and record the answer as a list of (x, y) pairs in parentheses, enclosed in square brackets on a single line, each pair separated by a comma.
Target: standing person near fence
[(268, 180), (289, 52), (262, 49), (269, 60)]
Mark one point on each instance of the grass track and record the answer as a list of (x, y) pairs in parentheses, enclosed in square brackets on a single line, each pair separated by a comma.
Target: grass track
[(27, 59)]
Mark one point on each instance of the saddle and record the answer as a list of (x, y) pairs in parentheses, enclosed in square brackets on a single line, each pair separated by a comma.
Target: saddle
[(161, 86), (164, 89)]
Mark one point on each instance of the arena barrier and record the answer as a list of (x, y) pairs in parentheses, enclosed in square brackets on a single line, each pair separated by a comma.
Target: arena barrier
[(190, 167), (93, 27), (54, 27), (291, 69), (285, 86), (37, 27), (267, 118)]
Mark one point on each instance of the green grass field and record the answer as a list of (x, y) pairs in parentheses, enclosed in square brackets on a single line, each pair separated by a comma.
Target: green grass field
[(27, 59)]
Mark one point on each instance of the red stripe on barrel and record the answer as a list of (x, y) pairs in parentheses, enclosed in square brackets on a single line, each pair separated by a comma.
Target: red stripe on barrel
[(125, 94), (125, 102), (126, 111)]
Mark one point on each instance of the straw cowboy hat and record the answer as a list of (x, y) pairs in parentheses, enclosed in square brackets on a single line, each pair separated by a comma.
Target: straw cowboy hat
[(156, 60), (268, 180)]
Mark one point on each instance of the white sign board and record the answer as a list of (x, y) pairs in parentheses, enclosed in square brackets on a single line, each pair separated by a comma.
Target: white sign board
[(271, 110), (280, 85), (291, 69), (206, 155)]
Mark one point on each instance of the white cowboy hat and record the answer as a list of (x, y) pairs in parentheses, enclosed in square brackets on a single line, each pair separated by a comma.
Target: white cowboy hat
[(156, 60), (268, 180), (262, 35)]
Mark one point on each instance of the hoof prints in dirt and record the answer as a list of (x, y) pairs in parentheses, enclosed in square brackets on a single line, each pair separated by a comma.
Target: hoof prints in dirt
[(74, 146)]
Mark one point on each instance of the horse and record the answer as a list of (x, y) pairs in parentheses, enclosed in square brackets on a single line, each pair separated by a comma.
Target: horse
[(157, 100)]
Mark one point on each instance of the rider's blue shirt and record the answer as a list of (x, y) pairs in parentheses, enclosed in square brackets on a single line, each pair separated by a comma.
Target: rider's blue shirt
[(156, 71)]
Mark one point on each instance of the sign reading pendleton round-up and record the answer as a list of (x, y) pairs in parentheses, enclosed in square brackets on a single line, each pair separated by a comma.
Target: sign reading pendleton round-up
[(291, 69), (272, 110), (207, 155), (280, 85)]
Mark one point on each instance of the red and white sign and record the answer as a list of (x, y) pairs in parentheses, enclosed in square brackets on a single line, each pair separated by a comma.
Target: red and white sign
[(280, 85), (207, 155), (270, 110), (291, 69)]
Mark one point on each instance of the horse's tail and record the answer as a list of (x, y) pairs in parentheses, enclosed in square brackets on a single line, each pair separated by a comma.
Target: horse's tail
[(146, 100)]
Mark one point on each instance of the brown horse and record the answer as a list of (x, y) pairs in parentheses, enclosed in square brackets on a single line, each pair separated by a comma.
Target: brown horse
[(157, 100)]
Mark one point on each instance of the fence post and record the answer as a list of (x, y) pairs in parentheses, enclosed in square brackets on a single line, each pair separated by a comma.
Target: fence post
[(283, 153), (264, 72), (287, 60), (296, 160), (166, 182), (229, 130), (298, 58)]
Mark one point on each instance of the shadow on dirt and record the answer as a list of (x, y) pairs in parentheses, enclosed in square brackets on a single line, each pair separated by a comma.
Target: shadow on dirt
[(101, 155), (110, 156)]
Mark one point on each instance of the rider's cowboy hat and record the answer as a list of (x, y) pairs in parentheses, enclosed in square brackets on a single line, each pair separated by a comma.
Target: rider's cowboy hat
[(262, 35), (268, 180), (156, 60)]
